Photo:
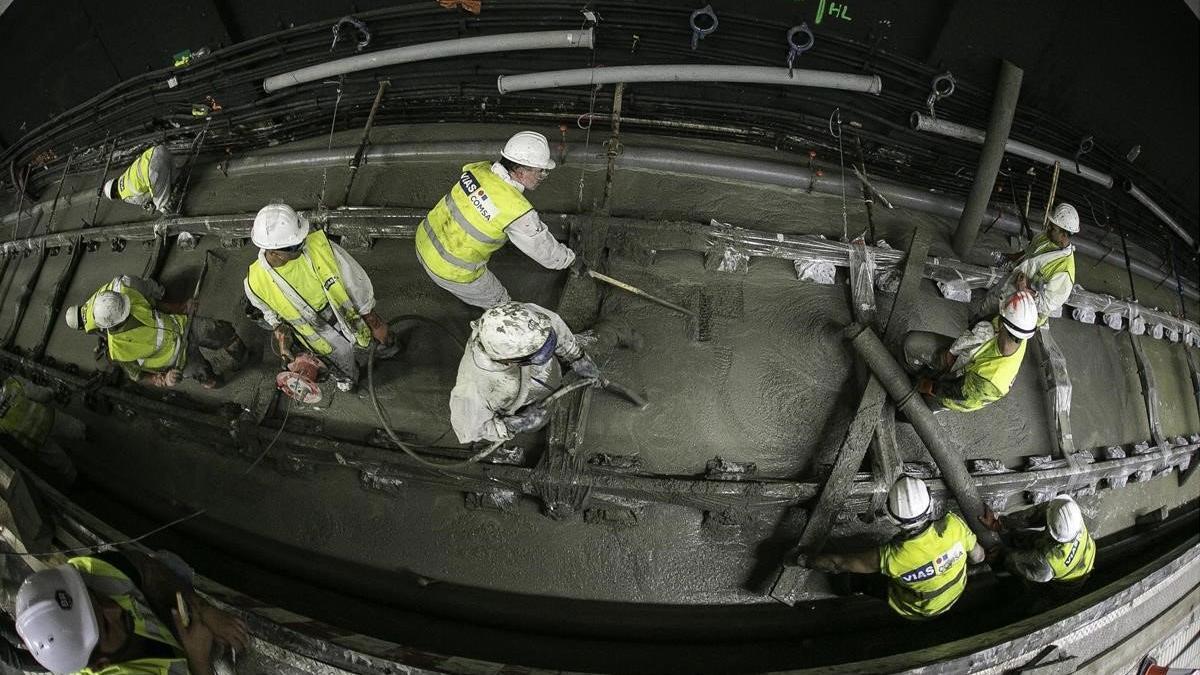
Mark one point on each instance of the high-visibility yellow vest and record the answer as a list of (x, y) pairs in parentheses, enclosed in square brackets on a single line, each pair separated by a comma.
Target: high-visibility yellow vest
[(1042, 244), (104, 579), (25, 420), (469, 224), (990, 375), (315, 278), (136, 179), (929, 571), (1074, 559), (153, 340)]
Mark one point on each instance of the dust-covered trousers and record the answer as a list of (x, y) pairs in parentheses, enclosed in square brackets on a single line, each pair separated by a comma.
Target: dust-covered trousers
[(485, 292), (342, 361), (209, 334)]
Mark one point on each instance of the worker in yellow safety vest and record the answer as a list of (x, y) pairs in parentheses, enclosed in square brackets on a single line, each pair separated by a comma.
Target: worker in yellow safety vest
[(36, 427), (303, 281), (925, 564), (147, 182), (980, 366), (120, 614), (1046, 267), (1048, 543), (485, 208), (152, 340)]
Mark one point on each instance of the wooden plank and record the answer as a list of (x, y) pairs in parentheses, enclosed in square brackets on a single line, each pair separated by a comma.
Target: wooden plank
[(914, 268)]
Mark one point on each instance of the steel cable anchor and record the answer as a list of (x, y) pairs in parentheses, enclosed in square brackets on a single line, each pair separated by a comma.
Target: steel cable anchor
[(699, 33), (795, 49)]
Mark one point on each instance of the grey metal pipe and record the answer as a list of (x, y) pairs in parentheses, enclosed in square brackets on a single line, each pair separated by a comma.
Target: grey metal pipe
[(922, 122), (580, 77), (511, 42), (1004, 107), (1136, 192), (684, 162), (949, 459)]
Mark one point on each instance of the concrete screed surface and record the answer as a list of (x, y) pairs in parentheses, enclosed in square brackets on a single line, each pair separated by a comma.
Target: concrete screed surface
[(774, 386)]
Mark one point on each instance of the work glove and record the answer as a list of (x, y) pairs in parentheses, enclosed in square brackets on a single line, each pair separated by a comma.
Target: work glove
[(579, 268), (925, 386), (168, 378), (531, 419), (585, 367)]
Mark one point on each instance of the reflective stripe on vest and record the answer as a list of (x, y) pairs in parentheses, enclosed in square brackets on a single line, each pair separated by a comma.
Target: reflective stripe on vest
[(135, 181), (927, 573), (106, 580), (25, 420), (1000, 370), (1073, 559), (156, 341), (279, 292), (469, 224)]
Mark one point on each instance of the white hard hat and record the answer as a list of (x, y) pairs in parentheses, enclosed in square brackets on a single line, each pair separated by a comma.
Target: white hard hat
[(908, 499), (1064, 520), (73, 319), (110, 308), (55, 619), (1066, 217), (278, 226), (1020, 315), (530, 149), (512, 331), (110, 188)]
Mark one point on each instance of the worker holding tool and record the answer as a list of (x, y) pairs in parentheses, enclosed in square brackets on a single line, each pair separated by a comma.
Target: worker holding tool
[(485, 208), (304, 283), (925, 565), (1046, 267), (36, 427), (509, 365), (147, 182), (1048, 543), (980, 366), (155, 341), (121, 614)]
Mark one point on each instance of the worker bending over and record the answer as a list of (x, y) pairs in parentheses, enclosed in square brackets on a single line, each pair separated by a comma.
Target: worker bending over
[(1048, 543), (980, 366), (116, 614), (303, 280), (925, 564), (147, 182), (508, 367), (1046, 267), (36, 427), (152, 340), (485, 208)]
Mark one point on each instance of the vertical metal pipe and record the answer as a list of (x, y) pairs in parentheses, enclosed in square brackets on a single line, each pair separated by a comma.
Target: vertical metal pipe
[(949, 459), (1004, 106)]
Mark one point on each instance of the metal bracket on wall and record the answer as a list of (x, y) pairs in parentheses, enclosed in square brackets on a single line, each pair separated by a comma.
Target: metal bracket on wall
[(1058, 387), (702, 27), (798, 47), (1149, 389)]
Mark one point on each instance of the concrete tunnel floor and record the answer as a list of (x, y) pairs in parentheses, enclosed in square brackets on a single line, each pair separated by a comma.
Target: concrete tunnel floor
[(774, 386)]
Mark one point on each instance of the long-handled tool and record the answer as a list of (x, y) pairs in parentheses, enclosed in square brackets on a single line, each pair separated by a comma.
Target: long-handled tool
[(699, 321)]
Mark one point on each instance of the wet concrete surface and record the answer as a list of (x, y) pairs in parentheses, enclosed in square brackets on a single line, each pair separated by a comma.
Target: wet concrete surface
[(774, 386)]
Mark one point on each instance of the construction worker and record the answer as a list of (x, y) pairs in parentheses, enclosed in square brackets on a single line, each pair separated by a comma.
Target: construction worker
[(304, 281), (152, 340), (925, 564), (1046, 267), (118, 614), (485, 208), (980, 366), (1048, 543), (36, 427), (147, 182), (509, 366)]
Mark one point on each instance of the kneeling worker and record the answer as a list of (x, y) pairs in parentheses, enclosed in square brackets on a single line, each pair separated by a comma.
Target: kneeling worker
[(483, 210), (117, 613), (147, 182), (37, 427), (980, 366), (508, 366), (925, 564), (1048, 543), (302, 279), (154, 341), (1046, 266)]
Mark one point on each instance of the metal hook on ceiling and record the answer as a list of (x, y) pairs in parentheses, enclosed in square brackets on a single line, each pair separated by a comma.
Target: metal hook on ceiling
[(699, 32), (795, 49), (363, 32), (940, 87)]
